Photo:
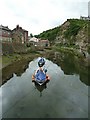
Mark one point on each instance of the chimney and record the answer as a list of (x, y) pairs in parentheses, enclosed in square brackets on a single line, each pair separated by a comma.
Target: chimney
[(17, 27)]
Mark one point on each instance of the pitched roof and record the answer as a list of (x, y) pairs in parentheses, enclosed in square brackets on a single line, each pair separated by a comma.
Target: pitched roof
[(18, 27), (4, 28)]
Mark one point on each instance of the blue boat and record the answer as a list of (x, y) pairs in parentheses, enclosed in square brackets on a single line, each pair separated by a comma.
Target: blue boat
[(40, 77)]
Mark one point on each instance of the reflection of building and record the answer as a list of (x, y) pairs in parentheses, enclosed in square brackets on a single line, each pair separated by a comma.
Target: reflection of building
[(19, 35), (5, 33), (41, 88)]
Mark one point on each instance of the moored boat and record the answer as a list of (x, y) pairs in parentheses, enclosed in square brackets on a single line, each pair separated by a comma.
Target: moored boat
[(40, 77)]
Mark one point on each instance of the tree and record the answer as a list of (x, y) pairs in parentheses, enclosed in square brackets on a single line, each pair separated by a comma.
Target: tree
[(31, 35)]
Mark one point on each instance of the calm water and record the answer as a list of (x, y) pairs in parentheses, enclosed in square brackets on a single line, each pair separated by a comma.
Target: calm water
[(65, 96)]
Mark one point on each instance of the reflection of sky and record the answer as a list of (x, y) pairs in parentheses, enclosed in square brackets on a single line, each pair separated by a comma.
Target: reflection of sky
[(65, 96)]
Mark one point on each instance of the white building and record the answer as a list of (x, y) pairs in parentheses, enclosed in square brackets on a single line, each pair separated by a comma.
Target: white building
[(85, 18), (33, 39)]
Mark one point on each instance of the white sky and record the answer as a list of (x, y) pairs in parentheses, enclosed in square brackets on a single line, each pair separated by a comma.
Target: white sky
[(37, 16)]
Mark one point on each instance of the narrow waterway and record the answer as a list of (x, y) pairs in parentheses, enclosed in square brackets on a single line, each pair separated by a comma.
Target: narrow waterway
[(65, 96)]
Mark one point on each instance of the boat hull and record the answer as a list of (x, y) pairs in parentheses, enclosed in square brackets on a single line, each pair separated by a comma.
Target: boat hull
[(40, 82)]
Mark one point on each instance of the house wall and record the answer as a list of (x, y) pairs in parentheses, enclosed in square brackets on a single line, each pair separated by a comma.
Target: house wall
[(44, 43), (5, 34), (34, 39), (19, 35), (16, 35), (26, 36)]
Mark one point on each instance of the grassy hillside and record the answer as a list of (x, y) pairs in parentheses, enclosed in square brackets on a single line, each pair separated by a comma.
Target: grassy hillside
[(74, 27), (73, 32), (49, 34)]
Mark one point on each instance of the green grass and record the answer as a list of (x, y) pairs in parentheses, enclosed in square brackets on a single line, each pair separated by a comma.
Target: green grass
[(8, 59), (75, 26), (49, 34)]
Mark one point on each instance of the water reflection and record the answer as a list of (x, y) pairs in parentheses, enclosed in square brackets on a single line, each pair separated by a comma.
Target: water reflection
[(64, 97), (17, 68), (71, 65), (40, 88)]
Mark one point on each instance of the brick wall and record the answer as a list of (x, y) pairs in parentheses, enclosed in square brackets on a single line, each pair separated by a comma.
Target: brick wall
[(19, 35)]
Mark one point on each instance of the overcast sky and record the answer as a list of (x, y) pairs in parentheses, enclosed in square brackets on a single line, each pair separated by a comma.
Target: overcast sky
[(37, 16)]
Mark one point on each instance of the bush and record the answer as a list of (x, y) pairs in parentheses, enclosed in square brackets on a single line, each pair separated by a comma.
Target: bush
[(50, 34), (72, 29), (7, 48), (10, 48), (89, 49)]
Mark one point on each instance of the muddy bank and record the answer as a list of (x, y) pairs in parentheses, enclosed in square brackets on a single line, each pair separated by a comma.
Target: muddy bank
[(16, 66), (18, 63)]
